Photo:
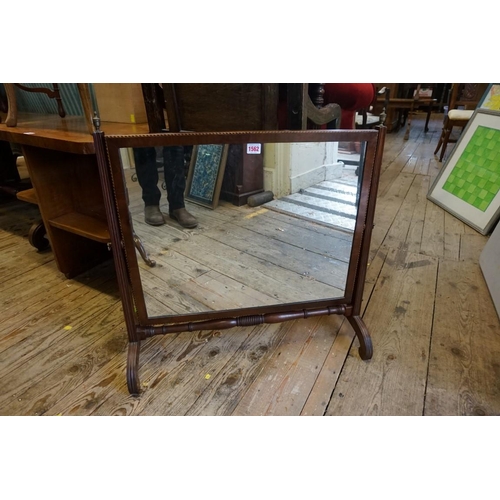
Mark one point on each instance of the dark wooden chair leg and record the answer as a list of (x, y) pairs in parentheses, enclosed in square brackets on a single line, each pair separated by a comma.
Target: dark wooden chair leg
[(446, 138), (57, 97), (441, 137)]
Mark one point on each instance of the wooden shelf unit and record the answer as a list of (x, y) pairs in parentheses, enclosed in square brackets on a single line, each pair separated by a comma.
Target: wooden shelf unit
[(28, 195), (62, 166), (83, 225)]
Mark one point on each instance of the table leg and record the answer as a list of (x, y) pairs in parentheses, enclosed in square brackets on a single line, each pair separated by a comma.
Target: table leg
[(429, 111), (11, 120)]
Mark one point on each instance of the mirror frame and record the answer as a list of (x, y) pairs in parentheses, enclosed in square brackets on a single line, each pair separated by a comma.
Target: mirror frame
[(140, 326)]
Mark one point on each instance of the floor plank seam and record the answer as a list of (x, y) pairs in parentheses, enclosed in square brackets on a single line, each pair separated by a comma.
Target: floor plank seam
[(364, 307), (395, 217), (323, 365), (430, 338), (332, 394)]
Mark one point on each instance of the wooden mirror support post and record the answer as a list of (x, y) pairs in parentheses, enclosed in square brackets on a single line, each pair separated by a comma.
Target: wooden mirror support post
[(141, 326)]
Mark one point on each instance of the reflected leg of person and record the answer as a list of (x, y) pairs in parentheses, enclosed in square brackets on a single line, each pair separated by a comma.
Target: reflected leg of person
[(175, 181), (147, 175)]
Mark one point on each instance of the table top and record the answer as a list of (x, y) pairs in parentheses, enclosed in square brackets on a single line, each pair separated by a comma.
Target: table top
[(399, 102), (67, 134)]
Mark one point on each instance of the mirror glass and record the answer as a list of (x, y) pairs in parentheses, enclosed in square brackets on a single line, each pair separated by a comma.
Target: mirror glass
[(293, 245)]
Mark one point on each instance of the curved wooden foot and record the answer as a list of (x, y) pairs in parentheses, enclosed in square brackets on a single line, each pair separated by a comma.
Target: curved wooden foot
[(144, 254), (133, 383), (365, 341)]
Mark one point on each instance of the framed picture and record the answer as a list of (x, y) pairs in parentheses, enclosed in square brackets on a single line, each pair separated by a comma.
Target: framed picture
[(468, 185), (491, 98), (206, 171)]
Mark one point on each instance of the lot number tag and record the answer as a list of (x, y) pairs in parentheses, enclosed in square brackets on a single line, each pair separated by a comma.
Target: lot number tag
[(254, 149)]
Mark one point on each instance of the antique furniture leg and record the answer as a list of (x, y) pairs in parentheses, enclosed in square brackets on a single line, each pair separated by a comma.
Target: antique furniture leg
[(144, 254), (57, 97), (133, 382), (441, 137), (358, 325), (365, 341), (134, 337), (446, 138)]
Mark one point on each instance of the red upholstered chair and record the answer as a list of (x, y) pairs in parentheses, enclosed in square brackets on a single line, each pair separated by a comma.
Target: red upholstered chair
[(351, 97)]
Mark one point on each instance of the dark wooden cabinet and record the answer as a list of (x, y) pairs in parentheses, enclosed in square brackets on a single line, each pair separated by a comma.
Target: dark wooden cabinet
[(243, 177)]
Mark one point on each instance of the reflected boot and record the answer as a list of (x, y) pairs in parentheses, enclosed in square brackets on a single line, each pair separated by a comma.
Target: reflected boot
[(184, 218), (153, 216)]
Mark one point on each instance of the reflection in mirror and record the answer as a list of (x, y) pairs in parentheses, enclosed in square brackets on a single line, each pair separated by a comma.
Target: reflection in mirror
[(293, 248)]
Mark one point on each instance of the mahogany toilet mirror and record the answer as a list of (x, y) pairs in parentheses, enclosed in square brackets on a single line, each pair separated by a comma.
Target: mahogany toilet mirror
[(244, 266)]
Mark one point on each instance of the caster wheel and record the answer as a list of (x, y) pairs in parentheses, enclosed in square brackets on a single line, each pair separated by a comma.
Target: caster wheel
[(37, 237)]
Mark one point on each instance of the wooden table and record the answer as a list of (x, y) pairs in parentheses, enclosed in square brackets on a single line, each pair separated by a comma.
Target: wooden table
[(62, 166), (408, 105)]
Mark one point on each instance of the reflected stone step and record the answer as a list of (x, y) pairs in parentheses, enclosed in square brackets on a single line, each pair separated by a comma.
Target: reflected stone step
[(331, 203)]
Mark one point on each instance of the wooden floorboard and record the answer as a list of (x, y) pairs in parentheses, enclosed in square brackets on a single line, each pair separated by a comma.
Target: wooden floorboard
[(464, 368), (435, 331), (400, 314)]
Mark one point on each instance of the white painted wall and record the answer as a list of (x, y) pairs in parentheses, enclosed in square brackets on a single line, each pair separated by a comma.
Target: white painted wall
[(288, 168)]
